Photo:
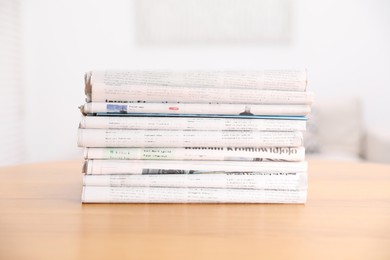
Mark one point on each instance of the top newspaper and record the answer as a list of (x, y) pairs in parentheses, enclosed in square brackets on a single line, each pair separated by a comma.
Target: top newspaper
[(198, 86)]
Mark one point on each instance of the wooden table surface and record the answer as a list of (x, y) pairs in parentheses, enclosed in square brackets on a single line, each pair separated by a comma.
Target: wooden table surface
[(347, 216)]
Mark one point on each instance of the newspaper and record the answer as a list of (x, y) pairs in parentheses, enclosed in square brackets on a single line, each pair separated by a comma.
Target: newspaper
[(289, 80), (176, 138), (199, 153), (94, 194), (270, 181), (141, 93), (188, 167), (195, 109), (191, 123)]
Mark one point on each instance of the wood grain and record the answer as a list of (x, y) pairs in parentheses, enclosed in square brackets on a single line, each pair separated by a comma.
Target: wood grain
[(347, 216)]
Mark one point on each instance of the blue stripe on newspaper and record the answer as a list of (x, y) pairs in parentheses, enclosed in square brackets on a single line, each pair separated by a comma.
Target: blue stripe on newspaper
[(201, 115)]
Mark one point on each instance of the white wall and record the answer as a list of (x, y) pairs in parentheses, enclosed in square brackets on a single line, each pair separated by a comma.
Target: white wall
[(344, 44), (12, 145)]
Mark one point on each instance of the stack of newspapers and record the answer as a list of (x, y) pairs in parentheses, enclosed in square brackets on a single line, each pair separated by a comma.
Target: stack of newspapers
[(195, 136)]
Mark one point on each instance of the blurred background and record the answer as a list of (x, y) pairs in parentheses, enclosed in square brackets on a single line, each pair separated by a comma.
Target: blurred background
[(46, 46)]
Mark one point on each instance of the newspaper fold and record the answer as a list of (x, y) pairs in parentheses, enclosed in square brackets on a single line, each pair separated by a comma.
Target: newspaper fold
[(289, 80), (102, 93), (199, 153), (94, 194), (191, 123), (177, 138), (194, 109), (259, 180), (189, 167)]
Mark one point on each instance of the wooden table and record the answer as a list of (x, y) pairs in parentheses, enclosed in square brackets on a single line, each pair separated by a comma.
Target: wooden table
[(347, 216)]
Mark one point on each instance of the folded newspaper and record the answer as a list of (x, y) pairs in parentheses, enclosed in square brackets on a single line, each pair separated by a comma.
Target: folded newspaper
[(257, 87), (194, 109), (289, 154), (184, 138), (193, 123), (96, 194), (233, 180), (188, 167), (288, 80)]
